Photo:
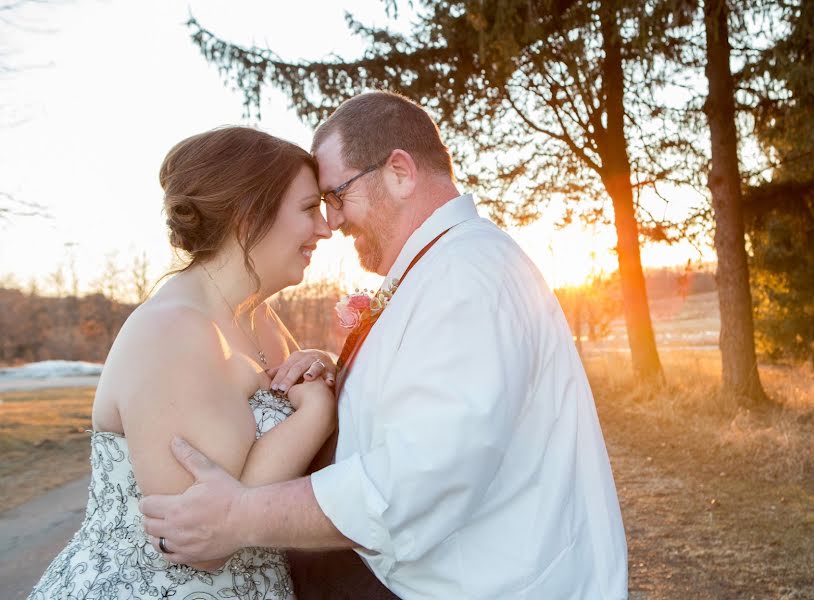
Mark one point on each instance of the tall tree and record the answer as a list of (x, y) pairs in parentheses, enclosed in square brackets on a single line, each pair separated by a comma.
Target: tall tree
[(717, 43), (737, 339), (782, 80), (780, 212), (533, 96)]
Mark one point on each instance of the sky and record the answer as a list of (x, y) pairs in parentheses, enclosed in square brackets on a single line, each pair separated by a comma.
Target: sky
[(100, 90)]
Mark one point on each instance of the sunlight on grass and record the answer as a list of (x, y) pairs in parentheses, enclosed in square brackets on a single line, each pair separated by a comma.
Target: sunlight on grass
[(779, 440), (43, 443)]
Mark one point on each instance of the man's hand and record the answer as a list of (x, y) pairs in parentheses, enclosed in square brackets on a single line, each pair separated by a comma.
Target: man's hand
[(204, 522)]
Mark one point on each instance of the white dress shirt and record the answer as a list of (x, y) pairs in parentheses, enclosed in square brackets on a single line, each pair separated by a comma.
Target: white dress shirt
[(470, 462)]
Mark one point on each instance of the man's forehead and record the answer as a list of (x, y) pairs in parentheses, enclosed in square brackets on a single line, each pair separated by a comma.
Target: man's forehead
[(329, 156)]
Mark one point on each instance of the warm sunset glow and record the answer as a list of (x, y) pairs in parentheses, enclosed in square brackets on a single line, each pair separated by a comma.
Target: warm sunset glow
[(566, 257), (91, 159)]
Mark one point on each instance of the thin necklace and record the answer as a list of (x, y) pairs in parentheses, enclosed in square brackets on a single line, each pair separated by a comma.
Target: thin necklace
[(253, 338)]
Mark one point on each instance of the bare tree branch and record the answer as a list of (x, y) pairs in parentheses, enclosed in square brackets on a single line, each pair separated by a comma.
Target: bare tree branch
[(13, 207)]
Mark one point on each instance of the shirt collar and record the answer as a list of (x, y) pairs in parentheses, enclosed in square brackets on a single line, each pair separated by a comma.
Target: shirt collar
[(448, 215)]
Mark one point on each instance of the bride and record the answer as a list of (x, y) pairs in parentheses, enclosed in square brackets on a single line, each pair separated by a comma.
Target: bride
[(194, 361)]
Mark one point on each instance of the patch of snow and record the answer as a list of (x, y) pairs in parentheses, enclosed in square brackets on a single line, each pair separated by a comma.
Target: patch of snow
[(52, 368)]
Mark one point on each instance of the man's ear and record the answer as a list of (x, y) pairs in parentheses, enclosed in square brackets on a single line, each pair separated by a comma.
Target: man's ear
[(402, 172)]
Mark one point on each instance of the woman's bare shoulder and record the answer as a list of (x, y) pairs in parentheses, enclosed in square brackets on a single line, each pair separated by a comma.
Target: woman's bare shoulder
[(164, 333), (162, 348)]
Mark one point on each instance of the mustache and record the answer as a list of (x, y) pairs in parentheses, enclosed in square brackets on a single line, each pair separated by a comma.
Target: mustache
[(349, 230)]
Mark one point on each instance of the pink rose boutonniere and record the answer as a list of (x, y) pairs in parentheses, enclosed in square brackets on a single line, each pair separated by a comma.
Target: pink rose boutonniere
[(362, 306)]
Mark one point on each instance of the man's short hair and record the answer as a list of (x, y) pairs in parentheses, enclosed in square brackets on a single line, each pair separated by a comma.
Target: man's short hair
[(373, 124)]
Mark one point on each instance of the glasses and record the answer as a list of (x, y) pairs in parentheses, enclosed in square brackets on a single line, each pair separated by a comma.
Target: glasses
[(333, 198)]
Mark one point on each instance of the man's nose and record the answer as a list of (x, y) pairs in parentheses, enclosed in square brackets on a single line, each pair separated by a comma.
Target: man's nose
[(335, 217), (322, 230)]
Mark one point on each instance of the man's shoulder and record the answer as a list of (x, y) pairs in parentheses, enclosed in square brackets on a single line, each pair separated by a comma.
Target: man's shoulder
[(478, 245), (477, 238), (477, 228), (474, 259)]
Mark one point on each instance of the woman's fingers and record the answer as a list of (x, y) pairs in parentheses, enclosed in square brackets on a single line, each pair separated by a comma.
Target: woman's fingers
[(292, 376), (279, 375), (289, 372), (316, 369), (305, 364), (330, 371)]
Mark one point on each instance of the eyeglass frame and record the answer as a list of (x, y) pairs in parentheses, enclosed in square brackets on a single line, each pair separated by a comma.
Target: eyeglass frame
[(344, 186)]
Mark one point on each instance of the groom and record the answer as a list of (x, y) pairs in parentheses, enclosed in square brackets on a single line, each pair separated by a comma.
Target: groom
[(470, 462)]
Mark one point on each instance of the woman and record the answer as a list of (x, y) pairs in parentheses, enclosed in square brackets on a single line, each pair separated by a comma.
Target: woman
[(194, 361)]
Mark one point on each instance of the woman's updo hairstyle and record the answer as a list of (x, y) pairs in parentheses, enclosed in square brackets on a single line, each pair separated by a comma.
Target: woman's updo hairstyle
[(228, 181)]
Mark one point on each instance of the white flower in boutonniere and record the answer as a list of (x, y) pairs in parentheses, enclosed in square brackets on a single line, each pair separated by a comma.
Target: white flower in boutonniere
[(362, 306)]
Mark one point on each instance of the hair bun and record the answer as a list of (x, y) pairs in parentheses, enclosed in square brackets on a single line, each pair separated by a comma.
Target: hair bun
[(184, 223), (225, 182)]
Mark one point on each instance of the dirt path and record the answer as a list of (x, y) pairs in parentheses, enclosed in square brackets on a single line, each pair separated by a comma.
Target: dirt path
[(32, 534)]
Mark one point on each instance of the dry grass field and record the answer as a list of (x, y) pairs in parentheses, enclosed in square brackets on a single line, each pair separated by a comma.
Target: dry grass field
[(718, 502), (43, 443)]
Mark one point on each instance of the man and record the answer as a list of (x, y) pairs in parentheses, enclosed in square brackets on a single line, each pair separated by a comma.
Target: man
[(470, 462)]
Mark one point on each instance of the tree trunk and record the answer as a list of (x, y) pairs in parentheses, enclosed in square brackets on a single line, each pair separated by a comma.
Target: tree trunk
[(739, 362), (616, 178)]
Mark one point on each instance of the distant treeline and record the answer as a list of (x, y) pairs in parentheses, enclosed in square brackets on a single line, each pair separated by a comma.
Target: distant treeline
[(35, 327), (591, 307)]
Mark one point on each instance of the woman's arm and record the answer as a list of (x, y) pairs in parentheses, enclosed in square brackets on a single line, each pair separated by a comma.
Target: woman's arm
[(325, 455), (287, 449), (176, 375), (187, 384)]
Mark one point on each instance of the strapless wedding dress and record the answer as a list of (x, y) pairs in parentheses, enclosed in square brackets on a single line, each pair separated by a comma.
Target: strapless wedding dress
[(110, 558)]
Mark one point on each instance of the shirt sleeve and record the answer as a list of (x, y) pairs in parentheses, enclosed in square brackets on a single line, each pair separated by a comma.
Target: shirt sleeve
[(454, 391)]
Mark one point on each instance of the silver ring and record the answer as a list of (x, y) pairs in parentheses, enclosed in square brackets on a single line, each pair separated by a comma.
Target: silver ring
[(319, 360), (162, 543)]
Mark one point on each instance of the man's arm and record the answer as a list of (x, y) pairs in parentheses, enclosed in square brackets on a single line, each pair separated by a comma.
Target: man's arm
[(290, 517), (217, 515)]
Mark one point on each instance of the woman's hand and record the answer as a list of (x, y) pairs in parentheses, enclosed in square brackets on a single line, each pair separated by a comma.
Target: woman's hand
[(306, 364), (315, 392)]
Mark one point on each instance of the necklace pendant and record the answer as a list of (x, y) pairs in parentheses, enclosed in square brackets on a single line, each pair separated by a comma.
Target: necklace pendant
[(262, 356)]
